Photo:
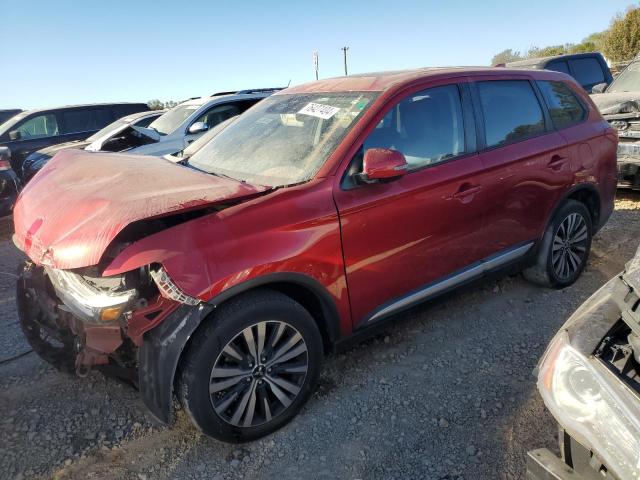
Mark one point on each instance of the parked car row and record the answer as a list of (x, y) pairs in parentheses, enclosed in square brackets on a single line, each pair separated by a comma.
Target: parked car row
[(32, 138), (305, 222)]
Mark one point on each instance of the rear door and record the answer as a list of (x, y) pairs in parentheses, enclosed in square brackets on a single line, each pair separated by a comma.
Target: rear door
[(526, 161), (403, 237), (80, 123)]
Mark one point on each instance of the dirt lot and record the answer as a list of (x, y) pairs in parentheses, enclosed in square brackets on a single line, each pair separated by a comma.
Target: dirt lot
[(445, 393)]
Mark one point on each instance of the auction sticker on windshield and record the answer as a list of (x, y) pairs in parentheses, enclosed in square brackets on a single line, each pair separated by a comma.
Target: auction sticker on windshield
[(318, 110)]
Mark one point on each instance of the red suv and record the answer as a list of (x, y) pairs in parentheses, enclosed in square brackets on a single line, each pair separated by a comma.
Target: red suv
[(318, 214)]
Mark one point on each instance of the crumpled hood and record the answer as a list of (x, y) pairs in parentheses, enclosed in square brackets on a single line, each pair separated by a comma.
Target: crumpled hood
[(76, 205), (617, 103)]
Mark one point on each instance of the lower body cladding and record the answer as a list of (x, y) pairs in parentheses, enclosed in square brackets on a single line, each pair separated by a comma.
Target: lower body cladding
[(128, 336)]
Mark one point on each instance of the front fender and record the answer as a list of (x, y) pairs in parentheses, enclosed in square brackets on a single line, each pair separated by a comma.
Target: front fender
[(160, 354)]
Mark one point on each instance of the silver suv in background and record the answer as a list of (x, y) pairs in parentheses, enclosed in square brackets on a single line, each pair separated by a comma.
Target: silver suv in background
[(115, 137), (183, 124)]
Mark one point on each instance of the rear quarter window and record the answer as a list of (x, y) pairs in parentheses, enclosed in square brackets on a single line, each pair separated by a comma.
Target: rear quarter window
[(564, 107), (511, 111)]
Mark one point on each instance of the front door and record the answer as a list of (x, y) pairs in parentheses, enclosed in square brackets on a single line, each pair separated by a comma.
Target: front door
[(403, 237)]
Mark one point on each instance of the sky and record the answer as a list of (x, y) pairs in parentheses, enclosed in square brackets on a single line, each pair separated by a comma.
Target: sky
[(56, 52)]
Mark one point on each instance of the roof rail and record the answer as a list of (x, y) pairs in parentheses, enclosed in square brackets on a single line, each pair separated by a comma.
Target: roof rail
[(249, 90)]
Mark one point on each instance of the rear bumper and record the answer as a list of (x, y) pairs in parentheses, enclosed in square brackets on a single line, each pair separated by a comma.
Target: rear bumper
[(9, 188), (544, 465)]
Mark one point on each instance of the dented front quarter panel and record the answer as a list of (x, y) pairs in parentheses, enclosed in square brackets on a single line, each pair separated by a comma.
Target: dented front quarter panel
[(291, 230), (77, 204)]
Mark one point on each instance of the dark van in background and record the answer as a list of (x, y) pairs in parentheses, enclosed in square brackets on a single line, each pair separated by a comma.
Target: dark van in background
[(589, 69), (35, 129)]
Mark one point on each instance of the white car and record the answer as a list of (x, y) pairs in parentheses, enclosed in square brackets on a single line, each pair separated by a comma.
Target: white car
[(177, 128)]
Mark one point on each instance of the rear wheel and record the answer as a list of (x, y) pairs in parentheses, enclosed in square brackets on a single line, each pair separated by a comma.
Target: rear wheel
[(251, 367), (565, 247)]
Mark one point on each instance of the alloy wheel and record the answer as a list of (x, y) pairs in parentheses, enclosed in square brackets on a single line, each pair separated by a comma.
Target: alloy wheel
[(569, 246), (258, 374)]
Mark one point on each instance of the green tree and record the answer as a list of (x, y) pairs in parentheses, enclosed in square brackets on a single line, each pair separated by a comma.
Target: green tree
[(155, 104), (506, 56), (535, 52), (622, 40)]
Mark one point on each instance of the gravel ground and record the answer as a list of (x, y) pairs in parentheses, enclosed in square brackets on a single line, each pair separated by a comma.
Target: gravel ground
[(444, 393)]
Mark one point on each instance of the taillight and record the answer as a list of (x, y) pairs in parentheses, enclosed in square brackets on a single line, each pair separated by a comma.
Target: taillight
[(5, 165)]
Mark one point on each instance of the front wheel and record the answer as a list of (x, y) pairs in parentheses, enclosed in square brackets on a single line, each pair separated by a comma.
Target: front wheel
[(251, 367), (565, 247)]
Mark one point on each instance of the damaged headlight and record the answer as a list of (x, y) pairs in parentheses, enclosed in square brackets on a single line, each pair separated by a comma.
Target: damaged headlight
[(595, 408), (170, 290), (86, 301)]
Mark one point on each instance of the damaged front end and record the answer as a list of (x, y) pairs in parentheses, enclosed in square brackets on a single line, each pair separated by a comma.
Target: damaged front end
[(620, 106), (77, 320), (589, 379)]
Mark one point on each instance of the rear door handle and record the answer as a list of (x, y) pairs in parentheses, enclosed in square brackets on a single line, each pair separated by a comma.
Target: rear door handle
[(556, 162)]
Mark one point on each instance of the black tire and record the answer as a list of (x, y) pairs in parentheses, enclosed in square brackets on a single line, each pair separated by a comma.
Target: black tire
[(549, 268), (266, 310)]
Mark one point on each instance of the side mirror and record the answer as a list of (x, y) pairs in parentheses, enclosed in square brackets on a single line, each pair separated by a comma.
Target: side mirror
[(15, 135), (382, 164), (599, 88), (198, 127)]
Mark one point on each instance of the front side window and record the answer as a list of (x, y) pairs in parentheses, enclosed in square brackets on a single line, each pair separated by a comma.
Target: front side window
[(587, 71), (427, 127), (218, 114), (511, 111), (284, 139), (39, 127), (564, 108)]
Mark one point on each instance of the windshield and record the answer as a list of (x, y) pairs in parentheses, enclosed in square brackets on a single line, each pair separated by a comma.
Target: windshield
[(168, 122), (284, 139), (112, 127), (628, 80)]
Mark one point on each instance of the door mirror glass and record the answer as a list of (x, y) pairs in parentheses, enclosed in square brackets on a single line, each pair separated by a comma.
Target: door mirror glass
[(599, 88), (198, 127), (381, 164), (15, 135)]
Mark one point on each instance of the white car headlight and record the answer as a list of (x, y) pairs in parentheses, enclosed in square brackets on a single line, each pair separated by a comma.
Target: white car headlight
[(599, 412)]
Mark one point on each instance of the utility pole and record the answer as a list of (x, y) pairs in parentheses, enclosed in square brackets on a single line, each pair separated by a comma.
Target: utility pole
[(344, 49), (315, 62)]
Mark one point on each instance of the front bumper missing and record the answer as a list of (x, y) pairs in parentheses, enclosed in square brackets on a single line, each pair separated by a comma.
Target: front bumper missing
[(159, 335), (544, 465), (55, 334)]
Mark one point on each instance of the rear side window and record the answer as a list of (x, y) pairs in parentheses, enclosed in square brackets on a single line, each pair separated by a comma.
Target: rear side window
[(511, 111), (565, 109), (427, 127), (587, 71), (558, 67), (85, 120), (39, 127)]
